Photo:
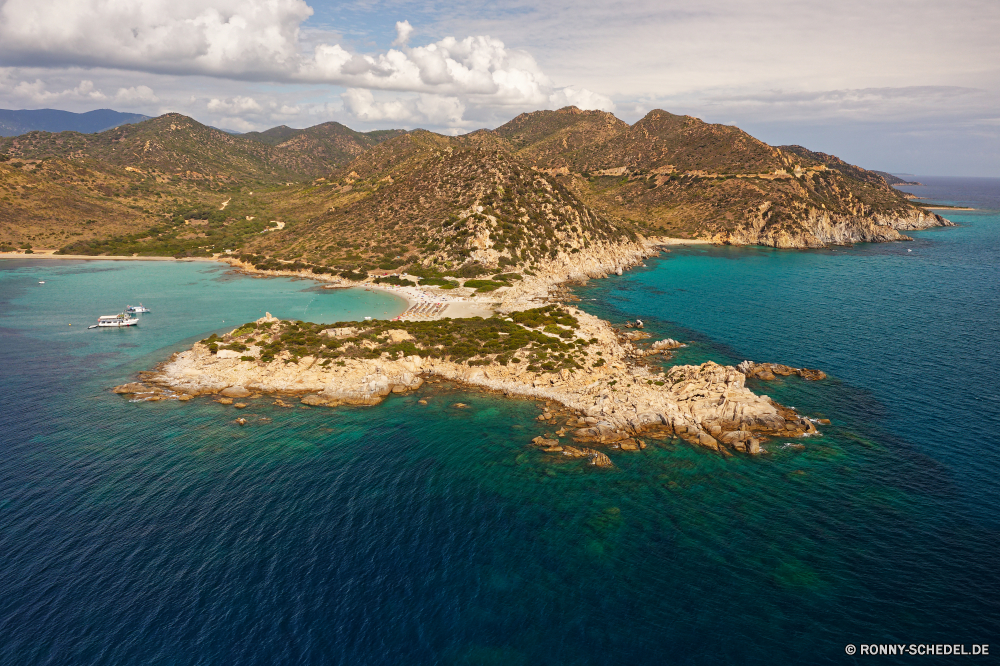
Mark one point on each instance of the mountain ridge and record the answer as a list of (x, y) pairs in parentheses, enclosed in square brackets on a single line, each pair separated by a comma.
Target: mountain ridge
[(679, 176), (21, 121), (546, 181)]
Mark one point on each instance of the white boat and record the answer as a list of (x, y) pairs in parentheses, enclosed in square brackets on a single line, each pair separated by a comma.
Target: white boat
[(137, 308), (115, 321)]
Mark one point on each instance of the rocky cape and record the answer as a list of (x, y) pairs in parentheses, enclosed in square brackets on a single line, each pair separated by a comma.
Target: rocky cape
[(614, 396), (820, 228), (708, 405)]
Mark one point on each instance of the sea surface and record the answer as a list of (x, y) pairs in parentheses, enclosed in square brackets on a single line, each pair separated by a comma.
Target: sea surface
[(164, 533)]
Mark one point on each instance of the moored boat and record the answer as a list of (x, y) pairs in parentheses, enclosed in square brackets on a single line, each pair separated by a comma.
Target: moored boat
[(115, 321), (137, 308)]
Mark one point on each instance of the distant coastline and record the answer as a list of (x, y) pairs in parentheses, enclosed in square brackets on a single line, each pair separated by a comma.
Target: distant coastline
[(50, 254)]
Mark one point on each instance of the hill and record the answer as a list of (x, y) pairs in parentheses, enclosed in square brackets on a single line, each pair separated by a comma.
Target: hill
[(170, 144), (543, 185), (71, 189), (22, 121), (683, 177), (896, 180), (436, 202), (317, 150)]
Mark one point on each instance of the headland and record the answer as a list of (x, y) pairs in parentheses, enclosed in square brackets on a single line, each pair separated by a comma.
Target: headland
[(607, 383)]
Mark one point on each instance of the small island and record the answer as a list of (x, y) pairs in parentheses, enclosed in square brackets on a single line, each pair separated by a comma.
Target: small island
[(605, 381)]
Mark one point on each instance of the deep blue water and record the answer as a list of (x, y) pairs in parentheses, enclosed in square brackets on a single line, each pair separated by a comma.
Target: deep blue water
[(163, 533)]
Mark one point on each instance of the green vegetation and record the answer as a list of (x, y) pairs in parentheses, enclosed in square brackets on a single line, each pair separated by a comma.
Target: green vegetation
[(189, 233), (395, 280), (550, 315), (438, 282), (482, 286), (474, 341), (546, 183)]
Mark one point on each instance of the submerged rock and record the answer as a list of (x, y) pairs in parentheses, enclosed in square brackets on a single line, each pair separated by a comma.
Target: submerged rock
[(767, 371), (133, 387)]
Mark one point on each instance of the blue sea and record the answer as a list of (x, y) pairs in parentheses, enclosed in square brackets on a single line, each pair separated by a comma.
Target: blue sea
[(165, 533)]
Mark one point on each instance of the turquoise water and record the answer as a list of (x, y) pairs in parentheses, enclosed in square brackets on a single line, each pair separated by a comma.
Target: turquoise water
[(163, 533)]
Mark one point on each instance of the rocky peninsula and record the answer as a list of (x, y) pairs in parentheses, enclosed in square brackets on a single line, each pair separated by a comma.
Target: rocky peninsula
[(605, 381)]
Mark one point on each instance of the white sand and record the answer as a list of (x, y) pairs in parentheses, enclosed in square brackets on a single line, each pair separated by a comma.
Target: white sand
[(681, 241), (50, 254), (457, 306)]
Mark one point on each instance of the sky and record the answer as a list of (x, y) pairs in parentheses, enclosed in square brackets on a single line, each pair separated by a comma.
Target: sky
[(907, 86)]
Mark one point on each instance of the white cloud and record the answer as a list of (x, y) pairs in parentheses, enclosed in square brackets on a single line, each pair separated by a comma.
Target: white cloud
[(237, 123), (135, 95), (261, 40), (251, 38), (423, 108), (38, 92), (234, 105), (403, 32), (585, 99)]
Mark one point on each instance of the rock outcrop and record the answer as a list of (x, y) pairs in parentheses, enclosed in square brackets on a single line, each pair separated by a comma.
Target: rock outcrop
[(618, 398), (820, 228), (768, 371)]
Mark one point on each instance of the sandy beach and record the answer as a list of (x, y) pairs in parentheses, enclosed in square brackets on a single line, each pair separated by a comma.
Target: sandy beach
[(455, 306), (50, 254), (680, 241), (420, 301)]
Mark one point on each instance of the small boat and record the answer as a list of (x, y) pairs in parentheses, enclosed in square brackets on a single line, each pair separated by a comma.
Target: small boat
[(115, 321), (41, 282), (137, 308)]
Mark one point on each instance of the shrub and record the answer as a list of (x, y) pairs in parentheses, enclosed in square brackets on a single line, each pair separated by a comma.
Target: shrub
[(392, 279), (484, 285), (468, 271), (436, 281)]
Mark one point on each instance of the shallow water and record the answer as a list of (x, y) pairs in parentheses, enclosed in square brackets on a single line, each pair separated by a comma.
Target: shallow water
[(163, 533)]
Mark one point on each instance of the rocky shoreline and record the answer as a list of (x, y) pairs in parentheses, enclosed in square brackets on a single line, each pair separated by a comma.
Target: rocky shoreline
[(612, 399), (821, 228), (607, 393)]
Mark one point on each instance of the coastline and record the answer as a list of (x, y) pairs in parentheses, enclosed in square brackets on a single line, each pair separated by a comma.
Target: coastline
[(614, 392), (50, 254)]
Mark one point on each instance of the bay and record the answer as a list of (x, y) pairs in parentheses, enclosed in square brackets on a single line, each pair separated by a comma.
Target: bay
[(163, 533)]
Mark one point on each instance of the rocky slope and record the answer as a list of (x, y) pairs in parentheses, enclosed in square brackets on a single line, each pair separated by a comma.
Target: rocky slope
[(317, 150), (682, 177), (615, 395), (437, 203), (546, 184)]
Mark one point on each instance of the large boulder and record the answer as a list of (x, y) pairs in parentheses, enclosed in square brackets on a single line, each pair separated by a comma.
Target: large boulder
[(134, 387), (236, 391)]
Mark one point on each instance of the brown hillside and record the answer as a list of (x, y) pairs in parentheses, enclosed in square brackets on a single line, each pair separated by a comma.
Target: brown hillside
[(681, 176), (440, 200)]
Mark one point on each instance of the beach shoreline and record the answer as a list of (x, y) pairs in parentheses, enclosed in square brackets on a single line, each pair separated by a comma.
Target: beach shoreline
[(50, 254), (464, 304)]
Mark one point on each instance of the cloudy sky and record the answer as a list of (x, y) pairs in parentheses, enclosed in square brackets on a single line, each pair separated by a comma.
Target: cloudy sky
[(908, 86)]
